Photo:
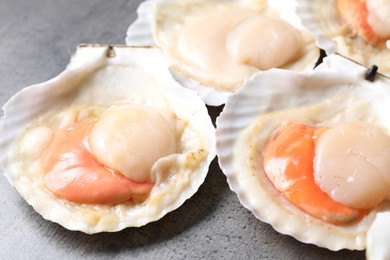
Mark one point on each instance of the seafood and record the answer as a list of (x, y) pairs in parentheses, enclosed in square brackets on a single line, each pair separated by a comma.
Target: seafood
[(245, 37), (357, 30), (112, 142), (297, 148)]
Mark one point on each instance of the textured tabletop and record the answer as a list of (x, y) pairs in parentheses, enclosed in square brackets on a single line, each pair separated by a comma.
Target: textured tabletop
[(37, 39)]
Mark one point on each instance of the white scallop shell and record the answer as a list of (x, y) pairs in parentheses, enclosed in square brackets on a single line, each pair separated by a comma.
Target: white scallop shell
[(143, 31), (379, 231), (322, 19), (137, 76), (278, 90)]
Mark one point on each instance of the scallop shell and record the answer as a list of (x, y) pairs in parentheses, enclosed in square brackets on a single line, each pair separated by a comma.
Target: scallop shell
[(322, 19), (145, 29), (139, 76), (379, 231), (289, 92)]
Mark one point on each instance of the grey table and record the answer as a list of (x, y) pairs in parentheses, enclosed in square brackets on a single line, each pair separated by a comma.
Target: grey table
[(37, 39)]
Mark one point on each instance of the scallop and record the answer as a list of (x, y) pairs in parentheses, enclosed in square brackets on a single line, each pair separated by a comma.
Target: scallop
[(111, 142), (214, 46), (308, 153), (357, 30)]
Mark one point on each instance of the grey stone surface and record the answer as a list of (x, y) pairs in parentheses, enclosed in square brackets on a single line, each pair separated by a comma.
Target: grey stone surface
[(37, 38)]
